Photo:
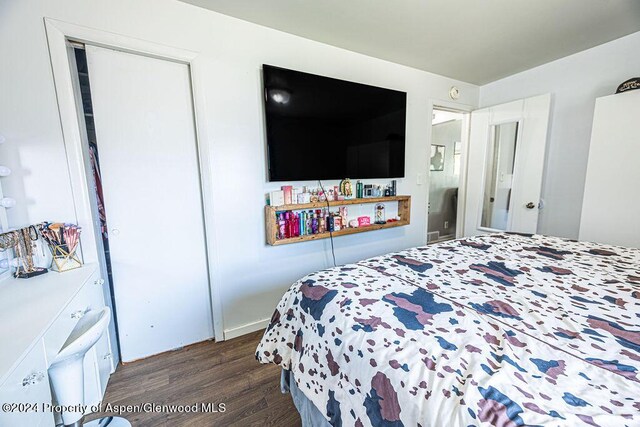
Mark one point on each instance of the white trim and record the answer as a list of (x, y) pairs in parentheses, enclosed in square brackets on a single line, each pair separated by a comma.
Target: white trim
[(464, 168), (4, 227), (246, 329), (58, 32)]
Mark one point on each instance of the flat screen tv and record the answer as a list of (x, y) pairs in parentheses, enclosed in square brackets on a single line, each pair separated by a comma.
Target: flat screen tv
[(324, 128)]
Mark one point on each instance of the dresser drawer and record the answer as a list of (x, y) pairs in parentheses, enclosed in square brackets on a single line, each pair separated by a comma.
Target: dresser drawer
[(57, 334), (28, 384)]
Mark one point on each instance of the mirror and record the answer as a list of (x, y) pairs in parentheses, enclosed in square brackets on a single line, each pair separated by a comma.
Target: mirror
[(498, 183)]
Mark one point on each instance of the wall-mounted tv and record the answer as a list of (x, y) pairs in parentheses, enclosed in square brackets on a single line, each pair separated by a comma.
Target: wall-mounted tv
[(324, 128)]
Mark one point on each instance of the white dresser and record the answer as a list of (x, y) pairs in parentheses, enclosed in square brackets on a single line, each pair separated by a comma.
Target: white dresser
[(36, 317), (611, 206)]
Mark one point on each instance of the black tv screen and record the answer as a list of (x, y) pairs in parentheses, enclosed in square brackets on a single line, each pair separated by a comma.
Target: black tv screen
[(324, 128)]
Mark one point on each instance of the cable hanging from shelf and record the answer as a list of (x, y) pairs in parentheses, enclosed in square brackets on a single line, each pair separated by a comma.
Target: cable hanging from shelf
[(333, 251)]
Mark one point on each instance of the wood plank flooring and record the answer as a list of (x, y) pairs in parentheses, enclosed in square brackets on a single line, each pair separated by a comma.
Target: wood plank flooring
[(225, 372)]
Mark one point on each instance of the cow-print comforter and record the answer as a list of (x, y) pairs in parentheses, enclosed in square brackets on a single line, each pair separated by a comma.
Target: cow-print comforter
[(502, 329)]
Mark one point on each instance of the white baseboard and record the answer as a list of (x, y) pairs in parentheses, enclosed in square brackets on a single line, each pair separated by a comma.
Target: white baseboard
[(246, 329)]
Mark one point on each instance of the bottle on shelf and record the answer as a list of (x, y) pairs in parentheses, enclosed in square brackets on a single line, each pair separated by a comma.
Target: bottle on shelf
[(281, 226), (321, 223), (303, 228), (314, 224), (287, 225)]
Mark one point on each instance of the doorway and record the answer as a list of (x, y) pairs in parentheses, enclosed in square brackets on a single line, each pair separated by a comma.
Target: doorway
[(144, 161), (445, 172)]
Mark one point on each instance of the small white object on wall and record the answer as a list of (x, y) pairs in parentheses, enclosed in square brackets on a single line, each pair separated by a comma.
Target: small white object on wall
[(454, 93)]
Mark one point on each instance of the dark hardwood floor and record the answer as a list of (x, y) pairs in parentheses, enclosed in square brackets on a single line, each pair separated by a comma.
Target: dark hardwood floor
[(208, 372)]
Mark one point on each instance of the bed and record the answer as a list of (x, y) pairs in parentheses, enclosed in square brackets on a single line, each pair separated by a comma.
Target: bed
[(501, 329)]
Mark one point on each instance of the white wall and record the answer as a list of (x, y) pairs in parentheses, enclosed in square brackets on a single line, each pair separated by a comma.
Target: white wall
[(575, 82), (253, 276)]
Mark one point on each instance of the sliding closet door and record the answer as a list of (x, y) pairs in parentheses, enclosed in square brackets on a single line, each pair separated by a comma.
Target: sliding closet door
[(145, 132)]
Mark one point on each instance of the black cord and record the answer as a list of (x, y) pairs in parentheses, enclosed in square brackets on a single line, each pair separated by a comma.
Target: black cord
[(333, 251)]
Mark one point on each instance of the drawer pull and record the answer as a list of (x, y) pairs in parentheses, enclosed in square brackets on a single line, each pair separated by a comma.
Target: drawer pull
[(107, 356), (99, 282), (32, 379), (78, 314)]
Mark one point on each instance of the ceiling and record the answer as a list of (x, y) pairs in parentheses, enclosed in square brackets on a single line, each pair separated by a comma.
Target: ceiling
[(474, 41)]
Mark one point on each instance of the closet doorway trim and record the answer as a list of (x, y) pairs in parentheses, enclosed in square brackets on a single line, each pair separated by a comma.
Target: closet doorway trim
[(59, 33)]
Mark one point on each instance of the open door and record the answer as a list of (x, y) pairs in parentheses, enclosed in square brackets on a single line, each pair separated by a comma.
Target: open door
[(506, 159)]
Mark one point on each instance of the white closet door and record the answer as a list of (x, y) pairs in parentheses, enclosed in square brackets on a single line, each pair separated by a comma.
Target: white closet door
[(144, 122), (503, 194), (611, 204)]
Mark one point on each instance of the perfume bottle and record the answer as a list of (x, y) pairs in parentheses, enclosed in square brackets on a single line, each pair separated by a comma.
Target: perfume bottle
[(309, 219), (287, 225), (295, 227), (337, 222), (303, 229), (343, 216), (379, 214), (359, 189)]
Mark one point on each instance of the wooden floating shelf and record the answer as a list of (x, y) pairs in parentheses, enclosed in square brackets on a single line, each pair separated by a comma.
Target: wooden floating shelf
[(404, 212), (341, 232)]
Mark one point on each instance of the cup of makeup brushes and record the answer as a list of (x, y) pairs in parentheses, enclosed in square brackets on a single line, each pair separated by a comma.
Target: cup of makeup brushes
[(63, 260), (63, 240)]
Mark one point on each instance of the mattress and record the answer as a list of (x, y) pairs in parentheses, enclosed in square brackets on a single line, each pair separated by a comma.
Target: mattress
[(502, 329)]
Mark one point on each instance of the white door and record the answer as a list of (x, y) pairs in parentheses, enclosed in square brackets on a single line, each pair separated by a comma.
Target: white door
[(145, 132), (611, 205), (506, 159)]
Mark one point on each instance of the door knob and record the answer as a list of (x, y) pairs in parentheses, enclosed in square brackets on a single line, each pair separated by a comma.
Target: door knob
[(530, 205)]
